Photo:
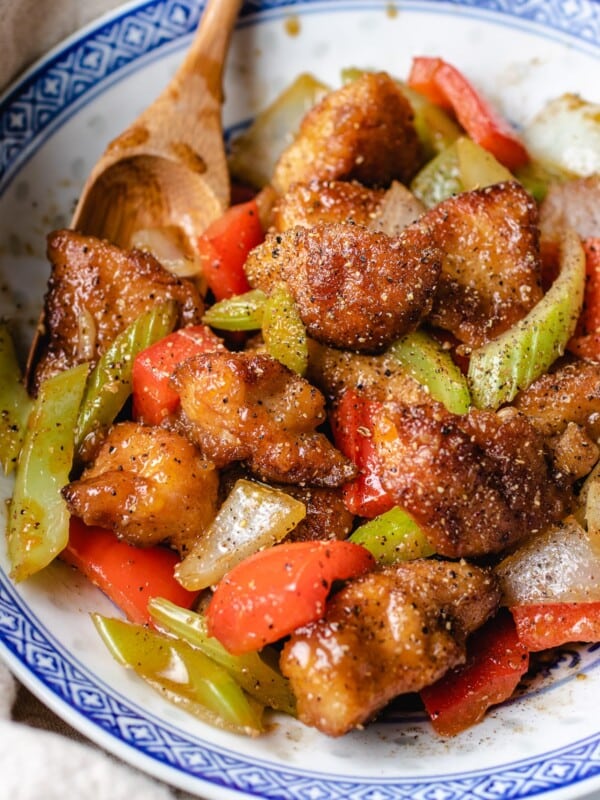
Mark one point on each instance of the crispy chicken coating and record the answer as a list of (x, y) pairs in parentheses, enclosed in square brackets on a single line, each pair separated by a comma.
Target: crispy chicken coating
[(250, 408), (384, 634), (476, 483), (148, 485), (491, 265), (329, 201), (95, 291), (363, 131), (354, 288)]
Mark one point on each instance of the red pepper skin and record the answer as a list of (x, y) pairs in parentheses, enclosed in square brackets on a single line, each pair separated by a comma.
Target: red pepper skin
[(153, 397), (352, 427), (586, 342), (129, 576), (224, 247), (446, 86), (496, 660), (545, 625), (273, 592)]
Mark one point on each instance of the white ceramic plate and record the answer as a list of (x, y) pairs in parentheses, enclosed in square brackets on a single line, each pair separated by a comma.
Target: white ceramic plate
[(54, 124)]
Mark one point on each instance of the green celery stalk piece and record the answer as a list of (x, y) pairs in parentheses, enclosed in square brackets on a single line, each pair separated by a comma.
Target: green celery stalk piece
[(258, 678), (255, 152), (512, 361), (477, 167), (109, 385), (432, 366), (393, 536), (537, 178), (438, 179), (38, 519), (15, 403), (435, 128), (182, 674), (284, 332), (244, 312)]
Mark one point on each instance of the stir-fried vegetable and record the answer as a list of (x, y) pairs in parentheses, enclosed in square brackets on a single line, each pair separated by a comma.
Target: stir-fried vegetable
[(182, 674), (255, 152), (277, 590), (496, 661), (433, 367), (565, 135), (477, 167), (283, 330), (560, 565), (109, 385), (439, 178), (15, 403), (257, 677), (130, 576), (544, 625), (38, 519), (244, 312), (252, 517), (393, 536), (224, 247), (499, 369)]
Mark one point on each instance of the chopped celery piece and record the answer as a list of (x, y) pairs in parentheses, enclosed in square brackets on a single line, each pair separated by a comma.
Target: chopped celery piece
[(537, 178), (252, 517), (255, 152), (109, 385), (433, 367), (182, 674), (15, 403), (262, 681), (284, 332), (393, 536), (38, 519), (435, 128), (438, 179), (509, 363), (244, 312), (478, 167)]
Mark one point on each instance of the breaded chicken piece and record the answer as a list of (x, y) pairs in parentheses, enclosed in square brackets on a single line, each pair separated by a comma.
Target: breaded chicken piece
[(99, 287), (569, 394), (491, 266), (148, 485), (354, 288), (476, 483), (250, 408), (329, 201), (378, 377), (363, 131), (387, 633)]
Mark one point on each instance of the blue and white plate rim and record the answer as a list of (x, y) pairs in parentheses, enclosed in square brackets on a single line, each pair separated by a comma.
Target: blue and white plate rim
[(40, 660)]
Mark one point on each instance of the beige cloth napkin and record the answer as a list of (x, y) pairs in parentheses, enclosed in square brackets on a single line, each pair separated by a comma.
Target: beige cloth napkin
[(41, 757)]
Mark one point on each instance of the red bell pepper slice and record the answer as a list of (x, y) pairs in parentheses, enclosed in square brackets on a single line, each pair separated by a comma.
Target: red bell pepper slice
[(544, 625), (273, 592), (496, 660), (352, 427), (444, 85), (224, 247), (586, 342), (153, 397), (130, 576)]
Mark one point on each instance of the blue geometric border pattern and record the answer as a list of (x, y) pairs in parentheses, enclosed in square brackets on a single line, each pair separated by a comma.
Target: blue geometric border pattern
[(28, 642), (67, 77)]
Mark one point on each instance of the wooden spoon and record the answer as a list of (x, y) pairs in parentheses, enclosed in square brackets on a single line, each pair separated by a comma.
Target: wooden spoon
[(169, 167)]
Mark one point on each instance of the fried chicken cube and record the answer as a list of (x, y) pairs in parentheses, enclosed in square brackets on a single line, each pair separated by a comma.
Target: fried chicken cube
[(149, 485), (355, 289), (250, 408), (95, 291), (327, 201), (476, 483), (363, 131), (491, 266), (387, 633)]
